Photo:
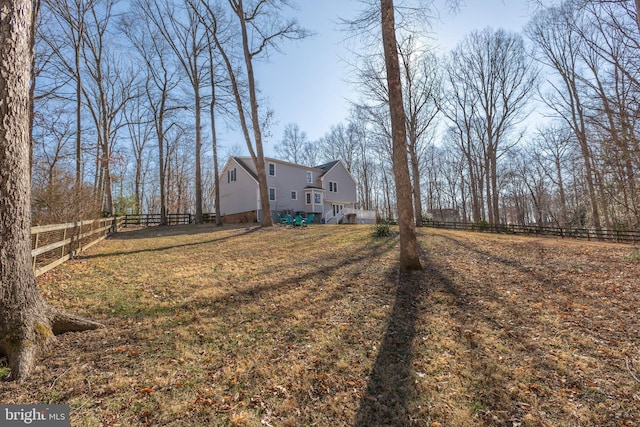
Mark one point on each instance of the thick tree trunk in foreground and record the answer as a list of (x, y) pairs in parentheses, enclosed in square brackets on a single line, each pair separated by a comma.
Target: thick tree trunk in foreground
[(27, 323), (409, 253)]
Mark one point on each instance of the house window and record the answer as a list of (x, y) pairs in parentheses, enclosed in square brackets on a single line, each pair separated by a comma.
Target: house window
[(317, 198), (294, 195), (309, 177), (272, 169), (333, 186), (231, 175), (308, 198), (272, 194)]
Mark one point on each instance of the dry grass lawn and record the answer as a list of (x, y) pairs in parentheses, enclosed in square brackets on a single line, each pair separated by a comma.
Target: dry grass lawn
[(212, 326)]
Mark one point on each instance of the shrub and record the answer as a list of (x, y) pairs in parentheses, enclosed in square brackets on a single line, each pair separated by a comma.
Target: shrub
[(382, 229), (483, 225)]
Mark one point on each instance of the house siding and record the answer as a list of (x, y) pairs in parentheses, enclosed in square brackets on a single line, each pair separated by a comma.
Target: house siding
[(236, 196), (288, 178), (347, 192)]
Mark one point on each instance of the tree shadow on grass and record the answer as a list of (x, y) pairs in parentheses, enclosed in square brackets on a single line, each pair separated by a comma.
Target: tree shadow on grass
[(134, 233), (391, 384), (146, 234), (255, 291)]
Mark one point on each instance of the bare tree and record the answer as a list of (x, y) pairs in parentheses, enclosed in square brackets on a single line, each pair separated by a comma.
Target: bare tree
[(613, 62), (364, 169), (214, 101), (553, 31), (409, 253), (161, 80), (292, 144), (27, 323), (501, 78), (419, 79), (258, 27), (342, 142), (107, 90), (420, 88), (459, 104), (140, 127), (184, 33), (56, 130), (71, 17), (551, 148)]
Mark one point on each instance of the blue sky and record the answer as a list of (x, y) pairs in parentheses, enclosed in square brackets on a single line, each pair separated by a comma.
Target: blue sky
[(307, 83)]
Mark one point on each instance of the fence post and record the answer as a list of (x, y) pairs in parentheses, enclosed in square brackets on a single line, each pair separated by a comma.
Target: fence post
[(35, 247), (64, 237), (79, 237)]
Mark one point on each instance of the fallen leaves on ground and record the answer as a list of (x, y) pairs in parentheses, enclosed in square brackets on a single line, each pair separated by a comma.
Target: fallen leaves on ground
[(281, 326)]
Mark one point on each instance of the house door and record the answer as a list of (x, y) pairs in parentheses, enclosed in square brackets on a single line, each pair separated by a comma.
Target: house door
[(336, 209)]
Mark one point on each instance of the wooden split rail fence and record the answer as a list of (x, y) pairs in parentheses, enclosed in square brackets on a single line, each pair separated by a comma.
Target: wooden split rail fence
[(148, 220), (151, 219), (54, 244), (575, 233)]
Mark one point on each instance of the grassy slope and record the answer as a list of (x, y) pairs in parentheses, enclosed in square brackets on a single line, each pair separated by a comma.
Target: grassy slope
[(210, 326)]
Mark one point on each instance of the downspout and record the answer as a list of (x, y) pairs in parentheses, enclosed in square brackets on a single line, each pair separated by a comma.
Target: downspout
[(258, 207)]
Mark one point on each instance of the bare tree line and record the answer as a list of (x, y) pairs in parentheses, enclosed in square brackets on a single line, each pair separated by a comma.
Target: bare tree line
[(134, 125), (137, 79), (575, 64)]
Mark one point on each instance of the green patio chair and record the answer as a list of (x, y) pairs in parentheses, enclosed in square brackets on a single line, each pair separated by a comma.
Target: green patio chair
[(308, 220)]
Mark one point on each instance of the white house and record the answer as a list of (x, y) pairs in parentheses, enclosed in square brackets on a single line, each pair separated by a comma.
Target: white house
[(328, 191)]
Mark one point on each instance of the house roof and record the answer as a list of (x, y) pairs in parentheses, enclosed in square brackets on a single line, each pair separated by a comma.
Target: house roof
[(245, 161), (244, 166), (327, 166)]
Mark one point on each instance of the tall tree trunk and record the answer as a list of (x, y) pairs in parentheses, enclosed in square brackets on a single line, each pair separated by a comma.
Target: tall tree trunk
[(417, 189), (78, 58), (589, 175), (564, 221), (32, 85), (494, 190), (475, 200), (214, 138), (162, 167), (487, 175), (107, 187), (138, 185), (409, 252), (266, 220), (198, 112), (27, 323)]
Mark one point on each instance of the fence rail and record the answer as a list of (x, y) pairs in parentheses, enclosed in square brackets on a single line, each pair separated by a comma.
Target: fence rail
[(51, 245), (148, 220), (576, 233)]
